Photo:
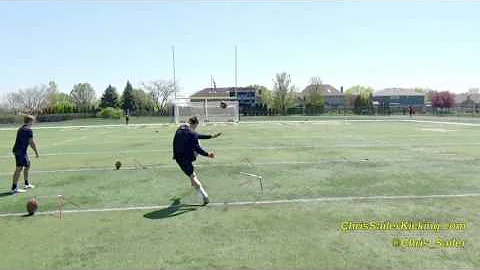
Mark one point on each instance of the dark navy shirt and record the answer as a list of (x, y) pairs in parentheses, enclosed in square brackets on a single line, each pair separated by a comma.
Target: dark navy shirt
[(185, 144), (24, 134)]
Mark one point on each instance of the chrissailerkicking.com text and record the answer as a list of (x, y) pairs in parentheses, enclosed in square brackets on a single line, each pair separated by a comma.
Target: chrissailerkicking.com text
[(413, 226)]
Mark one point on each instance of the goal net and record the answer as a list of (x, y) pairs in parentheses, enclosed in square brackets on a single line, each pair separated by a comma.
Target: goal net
[(207, 110)]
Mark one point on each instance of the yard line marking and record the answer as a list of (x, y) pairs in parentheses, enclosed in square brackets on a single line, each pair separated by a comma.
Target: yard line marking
[(174, 165), (263, 122), (264, 202)]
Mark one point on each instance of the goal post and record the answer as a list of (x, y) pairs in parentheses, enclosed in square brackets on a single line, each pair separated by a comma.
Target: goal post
[(206, 109)]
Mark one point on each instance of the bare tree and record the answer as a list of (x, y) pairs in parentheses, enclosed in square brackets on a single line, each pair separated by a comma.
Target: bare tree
[(5, 103), (316, 83), (314, 99), (161, 92), (15, 101), (475, 90), (31, 100)]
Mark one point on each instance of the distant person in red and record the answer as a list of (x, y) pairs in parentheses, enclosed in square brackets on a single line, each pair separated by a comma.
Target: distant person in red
[(410, 111)]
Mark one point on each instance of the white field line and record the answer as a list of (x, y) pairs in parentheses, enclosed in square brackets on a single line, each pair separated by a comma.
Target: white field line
[(265, 202), (89, 126), (251, 174), (74, 139), (272, 163), (441, 122), (266, 122), (163, 150)]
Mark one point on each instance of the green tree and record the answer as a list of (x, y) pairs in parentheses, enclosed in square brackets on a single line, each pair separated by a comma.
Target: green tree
[(52, 92), (144, 101), (128, 100), (265, 94), (362, 98), (109, 98), (83, 96), (314, 99), (283, 93), (427, 92), (63, 103)]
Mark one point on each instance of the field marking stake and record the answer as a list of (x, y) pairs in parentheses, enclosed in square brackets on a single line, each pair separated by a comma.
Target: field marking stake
[(258, 177), (61, 203), (138, 163)]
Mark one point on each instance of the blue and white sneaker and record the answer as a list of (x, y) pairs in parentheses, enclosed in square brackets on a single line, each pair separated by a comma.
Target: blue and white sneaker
[(17, 190), (29, 186)]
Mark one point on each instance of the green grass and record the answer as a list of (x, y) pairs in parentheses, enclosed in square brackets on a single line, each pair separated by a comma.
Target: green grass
[(319, 159)]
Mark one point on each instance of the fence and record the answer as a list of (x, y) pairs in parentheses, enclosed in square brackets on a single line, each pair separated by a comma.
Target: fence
[(461, 111)]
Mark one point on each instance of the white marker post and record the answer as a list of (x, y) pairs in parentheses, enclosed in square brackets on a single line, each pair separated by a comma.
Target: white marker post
[(61, 203), (258, 177)]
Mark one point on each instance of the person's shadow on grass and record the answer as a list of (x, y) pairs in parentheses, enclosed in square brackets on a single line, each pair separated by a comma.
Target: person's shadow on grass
[(5, 194), (174, 209)]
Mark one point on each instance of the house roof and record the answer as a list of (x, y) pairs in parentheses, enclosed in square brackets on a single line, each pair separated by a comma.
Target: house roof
[(327, 90), (398, 92), (221, 91)]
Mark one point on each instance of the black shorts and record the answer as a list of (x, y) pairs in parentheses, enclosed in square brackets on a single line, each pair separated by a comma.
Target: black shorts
[(186, 166), (22, 160)]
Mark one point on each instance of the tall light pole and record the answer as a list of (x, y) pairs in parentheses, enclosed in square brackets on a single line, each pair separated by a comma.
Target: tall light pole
[(174, 81), (236, 97)]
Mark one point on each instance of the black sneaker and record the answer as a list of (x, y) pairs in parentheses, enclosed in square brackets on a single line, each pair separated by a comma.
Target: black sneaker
[(205, 201)]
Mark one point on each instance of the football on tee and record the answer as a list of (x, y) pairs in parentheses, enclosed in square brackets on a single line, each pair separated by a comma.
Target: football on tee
[(118, 164), (32, 206)]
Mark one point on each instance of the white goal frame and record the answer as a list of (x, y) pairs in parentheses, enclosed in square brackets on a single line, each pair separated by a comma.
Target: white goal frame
[(208, 110)]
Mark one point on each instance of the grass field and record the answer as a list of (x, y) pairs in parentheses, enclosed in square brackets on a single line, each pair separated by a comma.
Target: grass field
[(343, 165)]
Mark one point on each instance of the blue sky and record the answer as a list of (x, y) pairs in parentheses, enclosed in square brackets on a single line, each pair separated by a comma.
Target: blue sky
[(379, 44)]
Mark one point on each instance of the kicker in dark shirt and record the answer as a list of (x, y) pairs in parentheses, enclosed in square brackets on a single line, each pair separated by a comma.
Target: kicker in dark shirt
[(24, 134), (186, 145)]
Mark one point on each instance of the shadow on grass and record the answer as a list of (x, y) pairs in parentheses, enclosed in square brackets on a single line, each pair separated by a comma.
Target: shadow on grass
[(5, 194), (174, 209)]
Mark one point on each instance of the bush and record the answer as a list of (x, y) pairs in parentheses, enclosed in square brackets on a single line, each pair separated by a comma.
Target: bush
[(110, 112), (10, 119), (314, 110), (63, 117)]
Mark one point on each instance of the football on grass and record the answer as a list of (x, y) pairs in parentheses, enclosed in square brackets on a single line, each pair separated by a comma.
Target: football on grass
[(118, 164), (32, 206), (223, 105)]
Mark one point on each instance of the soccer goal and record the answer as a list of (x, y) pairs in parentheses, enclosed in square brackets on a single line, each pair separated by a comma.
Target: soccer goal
[(206, 109)]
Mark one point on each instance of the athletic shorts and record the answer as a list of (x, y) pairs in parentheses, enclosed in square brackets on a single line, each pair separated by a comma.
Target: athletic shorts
[(186, 166), (22, 160)]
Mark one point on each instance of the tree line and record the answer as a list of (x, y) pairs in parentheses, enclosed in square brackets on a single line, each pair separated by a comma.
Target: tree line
[(285, 99), (153, 98), (150, 98)]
